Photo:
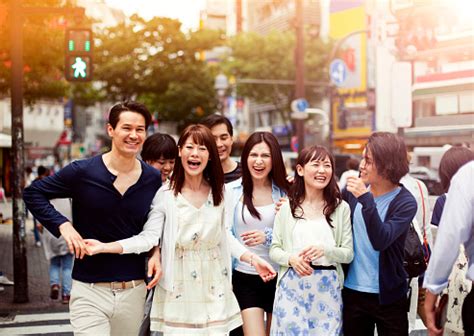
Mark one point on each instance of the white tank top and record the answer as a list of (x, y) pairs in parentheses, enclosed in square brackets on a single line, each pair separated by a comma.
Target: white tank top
[(267, 215), (313, 232)]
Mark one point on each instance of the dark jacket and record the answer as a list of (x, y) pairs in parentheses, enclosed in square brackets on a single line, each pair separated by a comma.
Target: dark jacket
[(388, 238)]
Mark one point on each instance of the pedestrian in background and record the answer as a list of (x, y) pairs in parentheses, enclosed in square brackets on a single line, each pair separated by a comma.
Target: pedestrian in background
[(111, 197), (352, 169), (250, 207), (458, 286), (42, 172), (58, 254), (312, 236), (160, 151), (222, 130), (456, 227), (187, 221), (376, 286)]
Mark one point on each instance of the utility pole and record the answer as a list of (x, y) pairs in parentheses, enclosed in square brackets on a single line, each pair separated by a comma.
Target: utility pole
[(238, 11), (299, 62), (20, 264), (20, 270)]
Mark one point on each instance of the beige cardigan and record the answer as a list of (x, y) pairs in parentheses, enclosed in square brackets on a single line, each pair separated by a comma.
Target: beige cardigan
[(282, 242)]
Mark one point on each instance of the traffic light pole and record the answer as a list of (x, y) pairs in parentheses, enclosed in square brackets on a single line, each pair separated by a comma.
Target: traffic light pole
[(20, 264), (20, 269)]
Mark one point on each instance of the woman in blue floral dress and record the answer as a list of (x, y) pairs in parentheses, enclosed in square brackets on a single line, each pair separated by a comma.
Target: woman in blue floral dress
[(312, 236)]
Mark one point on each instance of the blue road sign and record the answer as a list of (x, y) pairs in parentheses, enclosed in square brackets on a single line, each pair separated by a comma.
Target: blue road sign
[(338, 71)]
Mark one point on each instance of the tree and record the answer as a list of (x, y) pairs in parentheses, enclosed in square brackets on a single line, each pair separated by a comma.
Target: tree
[(271, 57), (43, 55), (154, 61)]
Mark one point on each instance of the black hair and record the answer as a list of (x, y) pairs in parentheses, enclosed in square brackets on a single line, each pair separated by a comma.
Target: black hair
[(216, 119), (159, 145), (131, 106)]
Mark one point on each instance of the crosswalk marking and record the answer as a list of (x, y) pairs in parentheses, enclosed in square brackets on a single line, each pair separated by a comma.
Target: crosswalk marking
[(28, 324), (37, 317)]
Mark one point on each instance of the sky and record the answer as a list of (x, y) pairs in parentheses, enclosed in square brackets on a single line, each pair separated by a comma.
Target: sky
[(187, 11)]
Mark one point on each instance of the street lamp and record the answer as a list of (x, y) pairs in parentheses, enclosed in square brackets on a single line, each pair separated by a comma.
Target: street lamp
[(221, 84)]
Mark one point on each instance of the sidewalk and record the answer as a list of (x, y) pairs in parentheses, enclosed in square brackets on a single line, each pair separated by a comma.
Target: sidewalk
[(38, 278)]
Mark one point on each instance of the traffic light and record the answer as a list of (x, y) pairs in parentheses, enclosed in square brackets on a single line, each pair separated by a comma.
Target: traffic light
[(78, 65)]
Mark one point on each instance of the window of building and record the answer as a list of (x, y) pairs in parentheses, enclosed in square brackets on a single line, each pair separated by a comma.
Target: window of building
[(446, 104), (466, 102)]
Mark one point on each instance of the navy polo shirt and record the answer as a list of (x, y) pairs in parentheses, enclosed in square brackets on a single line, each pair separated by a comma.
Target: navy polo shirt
[(99, 212)]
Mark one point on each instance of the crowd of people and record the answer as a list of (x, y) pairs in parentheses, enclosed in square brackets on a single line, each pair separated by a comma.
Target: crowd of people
[(239, 248)]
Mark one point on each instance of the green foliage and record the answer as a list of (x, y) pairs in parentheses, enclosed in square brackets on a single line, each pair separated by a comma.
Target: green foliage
[(155, 62), (272, 57), (43, 55)]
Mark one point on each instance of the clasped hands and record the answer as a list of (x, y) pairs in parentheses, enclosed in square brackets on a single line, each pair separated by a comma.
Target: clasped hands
[(301, 263)]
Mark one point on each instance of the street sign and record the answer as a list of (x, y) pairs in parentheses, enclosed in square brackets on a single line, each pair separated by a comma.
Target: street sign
[(298, 107), (338, 72)]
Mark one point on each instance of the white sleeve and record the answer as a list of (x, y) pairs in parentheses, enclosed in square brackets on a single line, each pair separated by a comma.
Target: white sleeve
[(152, 230)]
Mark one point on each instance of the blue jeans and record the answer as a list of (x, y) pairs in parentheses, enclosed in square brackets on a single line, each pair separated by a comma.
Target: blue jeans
[(35, 231), (61, 265)]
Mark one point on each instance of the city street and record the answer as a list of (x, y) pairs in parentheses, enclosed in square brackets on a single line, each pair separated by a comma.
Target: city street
[(40, 315)]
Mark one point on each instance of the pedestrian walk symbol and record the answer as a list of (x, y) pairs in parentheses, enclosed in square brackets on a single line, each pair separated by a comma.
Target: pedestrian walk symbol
[(80, 68)]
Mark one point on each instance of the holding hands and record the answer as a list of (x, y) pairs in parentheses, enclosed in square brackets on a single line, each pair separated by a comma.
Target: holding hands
[(73, 239), (356, 186)]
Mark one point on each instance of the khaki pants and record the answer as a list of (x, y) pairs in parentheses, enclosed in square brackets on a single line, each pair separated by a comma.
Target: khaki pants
[(99, 310)]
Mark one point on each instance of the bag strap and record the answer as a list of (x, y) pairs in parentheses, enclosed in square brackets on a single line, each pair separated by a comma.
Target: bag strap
[(423, 207)]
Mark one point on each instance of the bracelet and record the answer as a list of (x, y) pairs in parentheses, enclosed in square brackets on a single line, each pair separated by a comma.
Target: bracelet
[(251, 259)]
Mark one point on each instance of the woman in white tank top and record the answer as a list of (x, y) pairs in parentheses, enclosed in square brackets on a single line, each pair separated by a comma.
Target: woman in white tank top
[(253, 198)]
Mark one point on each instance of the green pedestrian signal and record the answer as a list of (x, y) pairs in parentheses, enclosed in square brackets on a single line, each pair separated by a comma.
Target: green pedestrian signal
[(78, 65)]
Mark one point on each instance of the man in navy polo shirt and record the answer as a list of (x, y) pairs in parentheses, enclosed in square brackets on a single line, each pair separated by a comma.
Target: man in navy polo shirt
[(111, 197)]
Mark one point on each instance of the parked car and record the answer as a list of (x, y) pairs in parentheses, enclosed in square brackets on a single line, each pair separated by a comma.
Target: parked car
[(429, 177)]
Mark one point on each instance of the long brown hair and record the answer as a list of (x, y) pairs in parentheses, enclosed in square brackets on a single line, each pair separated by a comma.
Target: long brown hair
[(331, 193), (277, 173), (213, 173)]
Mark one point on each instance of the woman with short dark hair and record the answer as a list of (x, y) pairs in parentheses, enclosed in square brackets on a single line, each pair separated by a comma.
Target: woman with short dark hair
[(376, 286)]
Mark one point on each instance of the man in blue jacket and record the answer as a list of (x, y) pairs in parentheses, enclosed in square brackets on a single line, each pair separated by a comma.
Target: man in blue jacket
[(375, 289), (111, 197)]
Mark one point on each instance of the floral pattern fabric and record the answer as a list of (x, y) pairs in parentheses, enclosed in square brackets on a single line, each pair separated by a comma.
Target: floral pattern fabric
[(307, 306)]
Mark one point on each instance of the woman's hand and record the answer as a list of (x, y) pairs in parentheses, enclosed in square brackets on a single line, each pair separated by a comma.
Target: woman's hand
[(154, 267), (301, 266), (311, 253), (280, 203), (94, 246), (264, 269), (253, 238)]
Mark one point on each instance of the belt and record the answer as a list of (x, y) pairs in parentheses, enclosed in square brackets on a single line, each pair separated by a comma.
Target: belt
[(119, 285), (321, 267)]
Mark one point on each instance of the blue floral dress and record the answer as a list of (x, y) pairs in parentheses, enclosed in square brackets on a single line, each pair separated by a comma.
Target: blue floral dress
[(310, 305)]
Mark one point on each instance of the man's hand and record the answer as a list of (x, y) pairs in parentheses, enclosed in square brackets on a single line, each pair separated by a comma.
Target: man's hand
[(93, 246), (311, 253), (356, 186), (73, 239), (301, 266), (154, 267), (264, 269), (430, 309), (253, 238)]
